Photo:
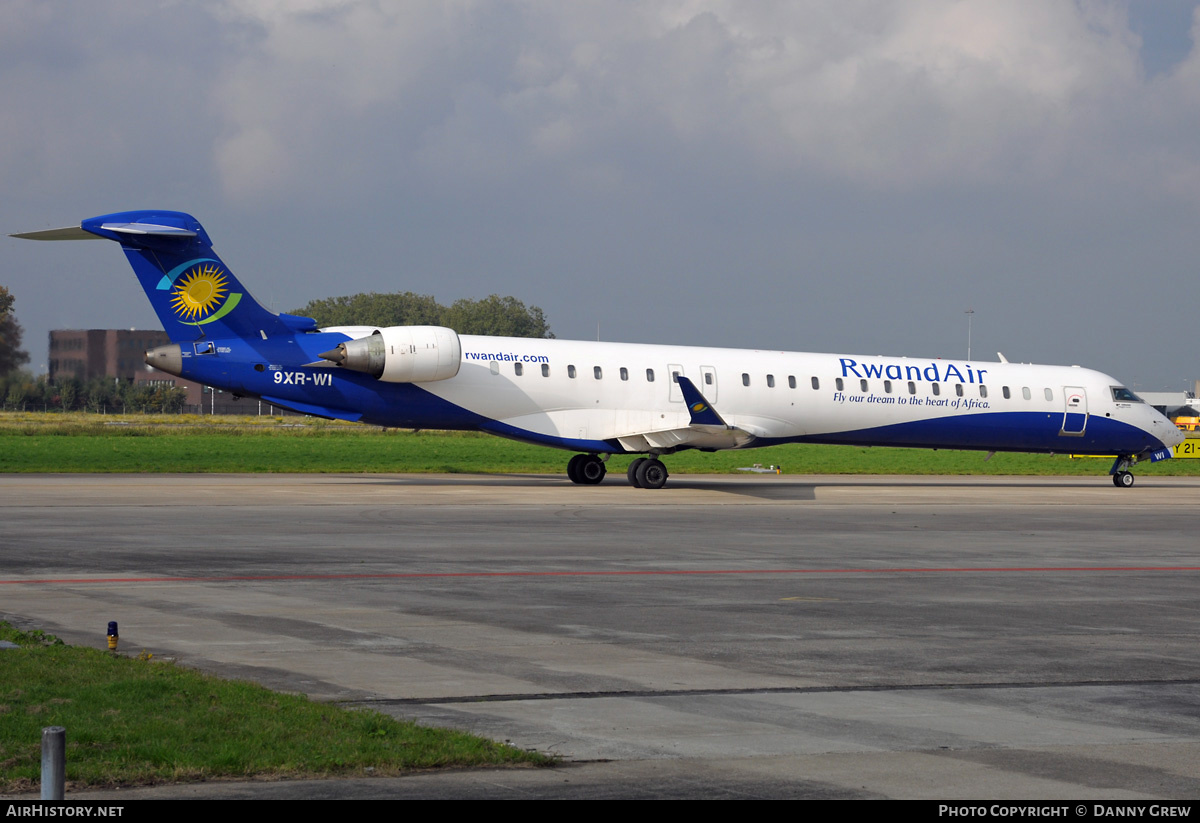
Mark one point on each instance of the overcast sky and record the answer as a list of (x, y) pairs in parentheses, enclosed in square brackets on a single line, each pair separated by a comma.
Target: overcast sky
[(845, 176)]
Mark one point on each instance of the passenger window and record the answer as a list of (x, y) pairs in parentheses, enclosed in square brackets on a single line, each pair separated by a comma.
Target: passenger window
[(597, 373), (863, 383), (624, 373), (912, 387), (791, 381), (937, 389), (838, 383), (816, 384), (518, 369), (708, 378), (494, 367), (887, 386), (770, 381), (745, 379), (545, 370), (1005, 392), (1025, 393), (649, 375), (1049, 394), (571, 372), (982, 390), (958, 389)]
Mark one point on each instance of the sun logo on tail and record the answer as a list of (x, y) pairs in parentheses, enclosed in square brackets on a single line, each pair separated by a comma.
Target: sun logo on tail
[(198, 292)]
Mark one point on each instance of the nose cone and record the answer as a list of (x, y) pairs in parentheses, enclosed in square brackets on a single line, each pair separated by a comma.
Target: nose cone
[(1173, 436), (1160, 427)]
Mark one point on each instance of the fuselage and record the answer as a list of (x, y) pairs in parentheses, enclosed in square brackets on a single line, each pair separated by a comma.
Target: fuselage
[(619, 397)]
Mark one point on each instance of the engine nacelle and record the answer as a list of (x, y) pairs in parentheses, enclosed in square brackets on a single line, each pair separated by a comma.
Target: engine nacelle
[(402, 354)]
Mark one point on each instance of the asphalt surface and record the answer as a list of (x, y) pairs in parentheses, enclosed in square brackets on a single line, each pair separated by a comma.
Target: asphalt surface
[(752, 636)]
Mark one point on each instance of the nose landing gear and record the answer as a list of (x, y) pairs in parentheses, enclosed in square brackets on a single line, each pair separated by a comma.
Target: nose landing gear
[(1121, 476)]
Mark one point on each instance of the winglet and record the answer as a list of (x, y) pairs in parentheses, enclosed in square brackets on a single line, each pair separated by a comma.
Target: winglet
[(702, 413)]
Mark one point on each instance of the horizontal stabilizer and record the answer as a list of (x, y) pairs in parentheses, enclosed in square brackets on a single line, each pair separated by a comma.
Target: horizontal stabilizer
[(79, 233), (69, 233)]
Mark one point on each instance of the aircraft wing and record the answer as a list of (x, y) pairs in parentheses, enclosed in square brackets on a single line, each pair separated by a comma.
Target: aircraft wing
[(693, 437), (706, 429)]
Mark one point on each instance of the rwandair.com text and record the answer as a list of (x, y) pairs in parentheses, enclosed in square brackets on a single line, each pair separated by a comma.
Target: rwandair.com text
[(506, 358)]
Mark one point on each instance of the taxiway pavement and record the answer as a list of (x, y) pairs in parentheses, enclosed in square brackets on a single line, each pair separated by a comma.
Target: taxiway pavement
[(924, 637)]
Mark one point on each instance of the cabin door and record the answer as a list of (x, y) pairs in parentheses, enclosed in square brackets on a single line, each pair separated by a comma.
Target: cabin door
[(674, 372), (1076, 413)]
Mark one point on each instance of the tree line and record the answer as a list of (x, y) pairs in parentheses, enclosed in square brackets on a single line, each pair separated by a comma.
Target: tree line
[(493, 315), (21, 391)]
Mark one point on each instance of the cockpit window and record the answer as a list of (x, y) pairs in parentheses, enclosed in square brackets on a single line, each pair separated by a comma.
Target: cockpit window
[(1124, 395)]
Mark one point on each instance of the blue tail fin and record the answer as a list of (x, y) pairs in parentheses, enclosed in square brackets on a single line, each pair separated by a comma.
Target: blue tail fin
[(194, 294)]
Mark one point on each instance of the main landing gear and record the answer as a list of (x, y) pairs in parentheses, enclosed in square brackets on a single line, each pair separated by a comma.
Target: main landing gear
[(1121, 476), (647, 473), (586, 469), (644, 472)]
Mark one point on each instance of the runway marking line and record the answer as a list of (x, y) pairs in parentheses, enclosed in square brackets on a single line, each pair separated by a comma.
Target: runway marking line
[(612, 573)]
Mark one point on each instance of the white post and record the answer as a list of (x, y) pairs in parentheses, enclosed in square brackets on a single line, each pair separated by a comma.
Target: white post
[(54, 762)]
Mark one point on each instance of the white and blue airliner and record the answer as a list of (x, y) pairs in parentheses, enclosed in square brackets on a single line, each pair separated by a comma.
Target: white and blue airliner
[(600, 399)]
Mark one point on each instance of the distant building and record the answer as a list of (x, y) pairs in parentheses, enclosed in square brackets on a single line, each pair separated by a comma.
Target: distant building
[(113, 353)]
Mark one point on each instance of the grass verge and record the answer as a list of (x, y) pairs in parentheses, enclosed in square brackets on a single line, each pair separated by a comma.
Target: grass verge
[(137, 721), (184, 444)]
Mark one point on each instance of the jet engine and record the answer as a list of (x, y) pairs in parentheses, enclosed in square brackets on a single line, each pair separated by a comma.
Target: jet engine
[(402, 354)]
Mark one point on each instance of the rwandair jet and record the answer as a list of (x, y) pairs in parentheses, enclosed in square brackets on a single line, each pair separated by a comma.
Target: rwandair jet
[(600, 399)]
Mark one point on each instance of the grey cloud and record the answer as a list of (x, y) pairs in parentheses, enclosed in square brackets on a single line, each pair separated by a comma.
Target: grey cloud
[(847, 175)]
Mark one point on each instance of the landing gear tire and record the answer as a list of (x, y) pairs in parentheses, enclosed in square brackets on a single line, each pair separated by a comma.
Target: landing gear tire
[(1123, 480), (586, 469), (573, 468), (651, 474), (592, 470), (631, 474)]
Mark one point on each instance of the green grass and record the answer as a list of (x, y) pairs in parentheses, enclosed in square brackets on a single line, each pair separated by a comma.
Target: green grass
[(172, 443), (134, 721)]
